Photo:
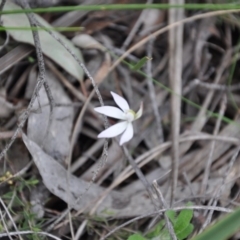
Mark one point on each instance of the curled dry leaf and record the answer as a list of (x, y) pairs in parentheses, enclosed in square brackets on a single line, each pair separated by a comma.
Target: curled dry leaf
[(50, 46), (151, 18), (86, 41)]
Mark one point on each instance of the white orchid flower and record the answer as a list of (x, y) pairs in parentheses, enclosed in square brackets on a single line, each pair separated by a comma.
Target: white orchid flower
[(126, 114)]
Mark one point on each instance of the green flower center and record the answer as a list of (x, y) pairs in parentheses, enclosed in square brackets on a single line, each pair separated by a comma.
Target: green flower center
[(130, 115)]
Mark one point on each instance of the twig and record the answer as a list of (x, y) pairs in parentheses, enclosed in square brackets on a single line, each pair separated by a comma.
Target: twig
[(220, 209), (219, 191), (139, 174), (128, 81), (27, 233), (186, 178), (9, 215), (59, 219), (6, 41), (65, 82), (41, 65), (73, 140), (163, 202), (215, 132), (175, 76), (212, 86), (135, 28), (1, 8), (80, 230), (152, 92), (5, 225), (119, 51), (8, 134)]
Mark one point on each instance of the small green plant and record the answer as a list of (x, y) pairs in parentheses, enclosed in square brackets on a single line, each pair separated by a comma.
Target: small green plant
[(181, 225), (20, 207)]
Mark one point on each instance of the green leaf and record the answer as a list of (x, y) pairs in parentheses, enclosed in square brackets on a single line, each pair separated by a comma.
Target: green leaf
[(16, 201), (140, 63), (223, 229), (157, 229), (51, 48), (164, 235), (185, 232), (8, 195), (136, 237), (171, 215), (138, 6), (32, 181), (183, 220)]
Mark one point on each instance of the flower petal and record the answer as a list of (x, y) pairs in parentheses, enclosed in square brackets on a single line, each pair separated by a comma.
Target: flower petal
[(120, 101), (127, 135), (139, 112), (114, 130), (111, 112)]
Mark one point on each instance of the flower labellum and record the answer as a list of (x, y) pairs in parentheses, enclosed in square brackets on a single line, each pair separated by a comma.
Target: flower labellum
[(124, 113)]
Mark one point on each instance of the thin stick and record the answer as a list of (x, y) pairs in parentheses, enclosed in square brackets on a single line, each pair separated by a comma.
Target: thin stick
[(9, 215), (102, 160), (139, 174), (215, 132), (81, 229), (6, 41), (27, 233), (221, 187), (5, 226), (135, 28), (163, 202), (1, 8), (152, 92), (218, 87), (41, 65), (175, 77)]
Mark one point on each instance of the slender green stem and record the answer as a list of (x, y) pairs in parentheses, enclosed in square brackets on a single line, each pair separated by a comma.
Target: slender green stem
[(137, 6), (59, 29)]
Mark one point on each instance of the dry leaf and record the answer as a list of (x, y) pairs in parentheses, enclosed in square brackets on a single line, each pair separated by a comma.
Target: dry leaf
[(50, 46), (86, 41), (69, 188), (57, 141)]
